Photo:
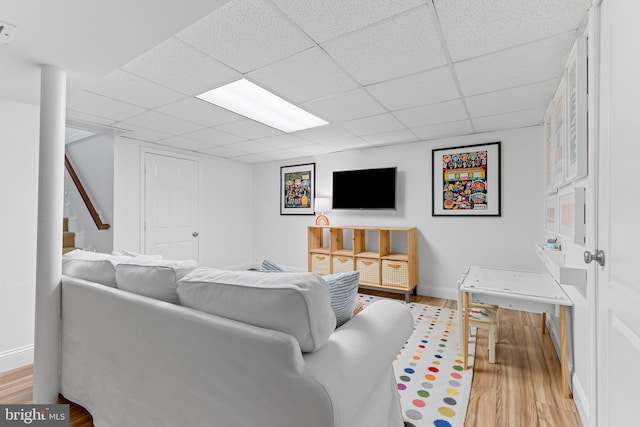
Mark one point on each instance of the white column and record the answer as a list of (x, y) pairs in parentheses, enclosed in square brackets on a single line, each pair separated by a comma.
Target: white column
[(46, 381)]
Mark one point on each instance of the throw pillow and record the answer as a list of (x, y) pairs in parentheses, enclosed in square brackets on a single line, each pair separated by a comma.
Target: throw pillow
[(270, 266), (343, 288)]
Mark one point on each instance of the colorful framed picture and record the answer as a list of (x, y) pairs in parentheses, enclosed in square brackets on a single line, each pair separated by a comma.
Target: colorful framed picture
[(576, 149), (559, 128), (571, 215), (549, 136), (551, 214), (466, 180), (297, 189)]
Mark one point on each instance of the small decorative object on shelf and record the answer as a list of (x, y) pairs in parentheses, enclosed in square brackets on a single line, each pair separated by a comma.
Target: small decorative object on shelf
[(553, 244), (322, 205)]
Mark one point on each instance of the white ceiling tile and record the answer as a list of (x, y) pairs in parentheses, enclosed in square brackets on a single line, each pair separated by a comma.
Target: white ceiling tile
[(184, 143), (163, 123), (312, 150), (141, 133), (522, 65), (520, 98), (448, 111), (444, 130), (252, 147), (418, 89), (201, 112), (390, 138), (344, 106), (510, 120), (279, 154), (349, 143), (249, 129), (213, 137), (477, 27), (88, 118), (181, 67), (324, 20), (373, 124), (101, 106), (251, 158), (284, 141), (246, 35), (323, 133), (225, 152), (135, 90), (308, 75), (402, 45)]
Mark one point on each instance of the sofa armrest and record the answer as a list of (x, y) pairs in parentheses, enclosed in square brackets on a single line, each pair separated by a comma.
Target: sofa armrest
[(358, 355)]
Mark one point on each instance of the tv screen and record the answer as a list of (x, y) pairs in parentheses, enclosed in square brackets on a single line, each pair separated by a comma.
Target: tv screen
[(364, 189)]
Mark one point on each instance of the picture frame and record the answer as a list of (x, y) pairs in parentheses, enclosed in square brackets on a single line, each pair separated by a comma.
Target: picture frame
[(549, 143), (576, 143), (571, 215), (559, 128), (466, 180), (297, 189), (551, 214)]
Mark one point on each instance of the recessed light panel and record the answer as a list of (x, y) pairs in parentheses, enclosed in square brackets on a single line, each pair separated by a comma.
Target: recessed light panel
[(256, 103)]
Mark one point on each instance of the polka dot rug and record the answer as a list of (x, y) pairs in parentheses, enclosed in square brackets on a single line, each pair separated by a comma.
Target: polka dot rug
[(433, 386)]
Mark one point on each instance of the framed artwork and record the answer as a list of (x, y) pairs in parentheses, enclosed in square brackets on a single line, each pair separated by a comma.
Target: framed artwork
[(571, 218), (559, 128), (466, 180), (297, 189), (549, 144), (551, 214), (576, 148)]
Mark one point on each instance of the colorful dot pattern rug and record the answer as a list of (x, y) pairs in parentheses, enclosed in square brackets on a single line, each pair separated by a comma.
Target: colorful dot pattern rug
[(433, 386)]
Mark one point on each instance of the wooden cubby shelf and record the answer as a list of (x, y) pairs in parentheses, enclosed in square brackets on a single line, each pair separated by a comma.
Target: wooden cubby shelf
[(341, 248)]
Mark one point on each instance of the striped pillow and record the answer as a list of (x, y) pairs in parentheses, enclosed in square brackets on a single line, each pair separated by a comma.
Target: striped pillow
[(270, 266), (343, 288)]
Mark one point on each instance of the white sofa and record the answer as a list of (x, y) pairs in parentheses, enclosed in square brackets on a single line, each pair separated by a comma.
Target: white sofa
[(132, 360)]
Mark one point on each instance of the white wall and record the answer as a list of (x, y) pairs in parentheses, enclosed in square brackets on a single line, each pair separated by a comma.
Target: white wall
[(225, 204), (446, 244), (92, 159), (19, 191)]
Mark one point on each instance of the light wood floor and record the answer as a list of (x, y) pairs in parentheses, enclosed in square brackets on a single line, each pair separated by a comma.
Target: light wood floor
[(523, 387)]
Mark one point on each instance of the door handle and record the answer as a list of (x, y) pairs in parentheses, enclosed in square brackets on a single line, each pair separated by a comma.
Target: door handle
[(598, 257), (195, 234)]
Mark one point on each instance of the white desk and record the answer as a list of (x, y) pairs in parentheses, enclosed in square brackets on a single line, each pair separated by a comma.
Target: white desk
[(520, 290)]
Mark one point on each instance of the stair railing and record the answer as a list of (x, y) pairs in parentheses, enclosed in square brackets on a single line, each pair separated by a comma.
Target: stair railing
[(84, 195)]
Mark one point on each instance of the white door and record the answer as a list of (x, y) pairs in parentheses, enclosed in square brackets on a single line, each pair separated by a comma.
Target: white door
[(171, 207), (618, 281)]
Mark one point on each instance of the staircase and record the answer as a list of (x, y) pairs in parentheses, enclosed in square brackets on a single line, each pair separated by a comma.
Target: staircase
[(68, 237)]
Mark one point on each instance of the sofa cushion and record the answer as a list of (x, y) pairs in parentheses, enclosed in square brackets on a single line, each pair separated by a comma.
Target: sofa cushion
[(293, 303), (343, 288), (154, 278), (93, 266)]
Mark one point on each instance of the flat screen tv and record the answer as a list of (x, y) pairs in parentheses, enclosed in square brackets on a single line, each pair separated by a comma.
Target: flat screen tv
[(364, 189)]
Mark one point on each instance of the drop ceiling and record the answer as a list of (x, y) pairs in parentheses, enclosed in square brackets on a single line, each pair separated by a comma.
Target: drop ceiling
[(380, 72)]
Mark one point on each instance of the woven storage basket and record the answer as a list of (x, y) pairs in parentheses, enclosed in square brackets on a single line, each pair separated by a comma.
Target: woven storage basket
[(395, 273), (320, 264), (369, 270), (342, 264)]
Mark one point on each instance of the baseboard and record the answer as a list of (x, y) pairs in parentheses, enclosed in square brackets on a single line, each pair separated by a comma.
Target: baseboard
[(580, 399), (445, 293), (15, 358)]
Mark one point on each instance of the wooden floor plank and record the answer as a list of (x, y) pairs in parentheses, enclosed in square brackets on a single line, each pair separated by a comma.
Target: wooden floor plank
[(523, 387)]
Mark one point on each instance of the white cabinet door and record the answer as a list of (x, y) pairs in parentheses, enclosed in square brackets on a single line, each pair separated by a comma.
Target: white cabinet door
[(171, 207), (618, 335)]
